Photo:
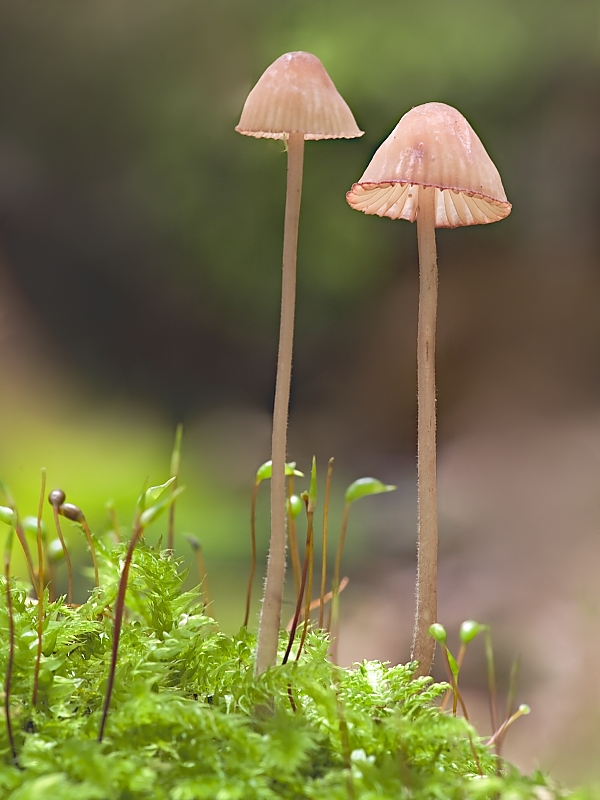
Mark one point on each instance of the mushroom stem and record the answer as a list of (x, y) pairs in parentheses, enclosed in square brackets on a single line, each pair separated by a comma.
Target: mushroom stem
[(268, 632), (423, 646)]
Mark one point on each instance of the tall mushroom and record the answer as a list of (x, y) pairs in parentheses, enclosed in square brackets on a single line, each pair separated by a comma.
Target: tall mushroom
[(293, 100), (433, 169)]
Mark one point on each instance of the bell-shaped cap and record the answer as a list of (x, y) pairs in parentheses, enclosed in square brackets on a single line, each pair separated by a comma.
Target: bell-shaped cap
[(432, 145), (296, 95)]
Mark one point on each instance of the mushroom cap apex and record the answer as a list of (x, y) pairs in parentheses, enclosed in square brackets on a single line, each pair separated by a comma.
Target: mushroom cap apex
[(433, 145), (296, 95)]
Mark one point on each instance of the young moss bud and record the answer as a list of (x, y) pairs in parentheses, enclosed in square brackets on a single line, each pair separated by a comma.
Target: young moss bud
[(54, 551), (438, 632), (294, 505), (364, 487), (469, 630), (8, 516), (265, 470), (30, 526)]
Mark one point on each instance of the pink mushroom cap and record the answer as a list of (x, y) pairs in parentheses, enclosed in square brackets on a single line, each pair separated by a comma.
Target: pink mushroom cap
[(433, 145), (296, 95)]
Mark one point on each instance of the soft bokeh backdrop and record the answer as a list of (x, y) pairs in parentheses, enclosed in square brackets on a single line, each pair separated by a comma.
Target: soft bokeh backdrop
[(140, 242)]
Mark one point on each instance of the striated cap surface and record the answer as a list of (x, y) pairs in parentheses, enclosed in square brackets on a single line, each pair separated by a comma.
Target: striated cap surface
[(295, 94), (432, 145)]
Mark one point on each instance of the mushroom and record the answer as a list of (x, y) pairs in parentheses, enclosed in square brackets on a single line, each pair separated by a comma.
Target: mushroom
[(293, 100), (433, 169)]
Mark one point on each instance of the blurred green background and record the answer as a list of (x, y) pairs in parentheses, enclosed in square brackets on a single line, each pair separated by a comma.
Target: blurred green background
[(140, 249)]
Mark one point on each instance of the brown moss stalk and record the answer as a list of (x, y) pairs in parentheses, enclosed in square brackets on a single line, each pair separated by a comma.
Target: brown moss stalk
[(307, 602), (305, 567), (324, 543), (119, 609)]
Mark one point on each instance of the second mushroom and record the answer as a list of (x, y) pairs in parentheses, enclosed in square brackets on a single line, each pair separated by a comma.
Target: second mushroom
[(433, 169)]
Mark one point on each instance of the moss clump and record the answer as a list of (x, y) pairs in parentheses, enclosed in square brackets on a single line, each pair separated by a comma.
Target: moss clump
[(189, 719)]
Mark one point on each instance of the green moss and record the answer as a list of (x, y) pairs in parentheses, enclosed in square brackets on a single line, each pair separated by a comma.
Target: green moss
[(189, 720)]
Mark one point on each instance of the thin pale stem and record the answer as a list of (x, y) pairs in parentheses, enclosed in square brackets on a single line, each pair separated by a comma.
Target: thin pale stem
[(11, 649), (423, 646), (491, 673), (337, 566), (324, 548), (252, 552), (90, 538), (501, 732), (38, 657), (334, 611), (510, 700), (268, 632), (171, 523), (22, 538), (459, 661), (454, 683), (114, 522), (175, 462), (51, 577), (27, 552), (294, 552), (201, 567), (66, 555)]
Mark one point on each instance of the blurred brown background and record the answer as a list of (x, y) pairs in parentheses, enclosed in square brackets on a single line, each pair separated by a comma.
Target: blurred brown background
[(140, 242)]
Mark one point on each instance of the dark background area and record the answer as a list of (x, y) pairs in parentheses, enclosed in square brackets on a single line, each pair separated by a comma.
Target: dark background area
[(140, 250), (146, 233)]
